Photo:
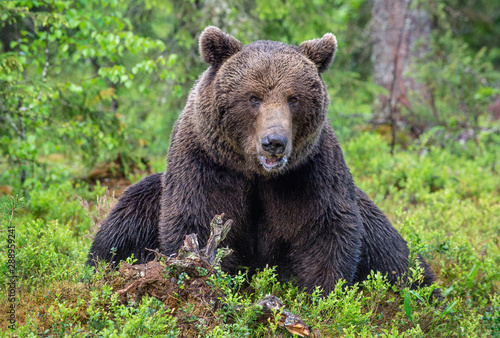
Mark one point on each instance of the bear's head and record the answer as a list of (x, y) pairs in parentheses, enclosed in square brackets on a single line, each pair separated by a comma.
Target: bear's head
[(262, 105)]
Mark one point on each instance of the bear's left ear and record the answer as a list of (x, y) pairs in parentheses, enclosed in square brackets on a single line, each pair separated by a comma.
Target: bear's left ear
[(216, 46), (320, 51)]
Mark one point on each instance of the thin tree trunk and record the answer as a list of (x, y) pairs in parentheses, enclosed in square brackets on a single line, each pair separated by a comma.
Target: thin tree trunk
[(399, 34)]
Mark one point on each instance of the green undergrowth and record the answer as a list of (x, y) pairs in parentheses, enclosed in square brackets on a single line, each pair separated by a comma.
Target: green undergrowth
[(445, 203)]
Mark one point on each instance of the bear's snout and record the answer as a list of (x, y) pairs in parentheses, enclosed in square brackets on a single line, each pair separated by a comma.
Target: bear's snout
[(274, 132), (274, 144), (274, 155)]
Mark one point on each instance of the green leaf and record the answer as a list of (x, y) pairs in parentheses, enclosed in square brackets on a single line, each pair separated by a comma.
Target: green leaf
[(172, 58), (418, 296), (473, 273), (448, 309), (407, 306), (75, 88)]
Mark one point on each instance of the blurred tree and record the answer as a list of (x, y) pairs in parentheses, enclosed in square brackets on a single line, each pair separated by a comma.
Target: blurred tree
[(477, 22), (400, 32), (62, 66), (432, 76), (95, 80), (460, 80)]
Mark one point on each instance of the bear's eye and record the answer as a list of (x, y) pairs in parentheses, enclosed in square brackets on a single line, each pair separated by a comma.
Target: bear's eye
[(255, 99), (293, 99)]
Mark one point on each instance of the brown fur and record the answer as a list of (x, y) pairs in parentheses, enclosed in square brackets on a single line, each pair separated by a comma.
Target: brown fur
[(306, 215)]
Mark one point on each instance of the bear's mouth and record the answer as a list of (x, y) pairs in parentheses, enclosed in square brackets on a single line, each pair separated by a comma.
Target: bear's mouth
[(273, 162)]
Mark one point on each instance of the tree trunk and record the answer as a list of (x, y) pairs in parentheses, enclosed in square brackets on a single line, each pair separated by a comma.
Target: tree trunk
[(400, 32)]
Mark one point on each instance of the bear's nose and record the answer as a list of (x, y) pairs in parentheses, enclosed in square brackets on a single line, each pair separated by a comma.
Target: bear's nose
[(274, 144)]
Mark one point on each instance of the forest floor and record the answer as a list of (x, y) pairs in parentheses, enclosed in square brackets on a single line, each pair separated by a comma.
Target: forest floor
[(444, 202)]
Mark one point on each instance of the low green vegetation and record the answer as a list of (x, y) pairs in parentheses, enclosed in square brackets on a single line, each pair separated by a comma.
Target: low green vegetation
[(90, 90), (445, 204)]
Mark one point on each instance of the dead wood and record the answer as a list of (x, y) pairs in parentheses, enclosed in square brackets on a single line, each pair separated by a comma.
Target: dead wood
[(181, 278)]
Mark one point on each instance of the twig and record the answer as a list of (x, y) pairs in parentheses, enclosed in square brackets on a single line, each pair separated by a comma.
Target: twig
[(272, 308), (392, 106), (47, 63), (15, 203), (13, 210), (22, 135), (22, 132), (12, 124), (159, 254), (47, 60), (129, 288)]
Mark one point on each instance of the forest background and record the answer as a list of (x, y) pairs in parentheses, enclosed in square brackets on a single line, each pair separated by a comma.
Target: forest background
[(90, 91)]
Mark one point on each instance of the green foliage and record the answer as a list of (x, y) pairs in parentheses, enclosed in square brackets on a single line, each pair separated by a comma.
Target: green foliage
[(106, 316), (52, 256), (148, 318), (81, 81), (458, 82), (492, 316), (88, 81), (476, 21), (454, 226), (78, 78), (61, 73), (462, 80)]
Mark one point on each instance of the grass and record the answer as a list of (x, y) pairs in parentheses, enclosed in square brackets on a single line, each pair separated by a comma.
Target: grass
[(445, 203)]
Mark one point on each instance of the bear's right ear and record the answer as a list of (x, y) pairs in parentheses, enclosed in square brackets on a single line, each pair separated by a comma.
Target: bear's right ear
[(216, 46)]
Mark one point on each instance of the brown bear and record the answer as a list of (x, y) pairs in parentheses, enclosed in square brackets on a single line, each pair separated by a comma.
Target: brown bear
[(253, 142)]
